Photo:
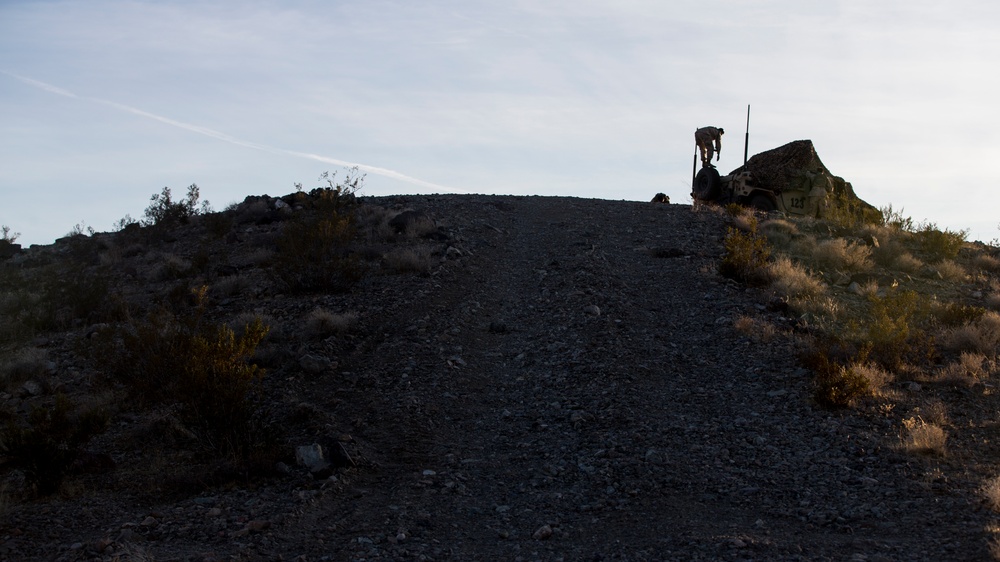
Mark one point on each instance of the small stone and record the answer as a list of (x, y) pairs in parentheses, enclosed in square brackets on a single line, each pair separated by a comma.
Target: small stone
[(258, 525), (311, 457), (31, 388), (544, 532), (592, 310), (314, 364), (148, 522)]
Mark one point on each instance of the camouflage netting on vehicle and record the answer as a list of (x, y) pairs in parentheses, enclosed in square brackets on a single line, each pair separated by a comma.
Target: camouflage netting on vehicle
[(784, 168)]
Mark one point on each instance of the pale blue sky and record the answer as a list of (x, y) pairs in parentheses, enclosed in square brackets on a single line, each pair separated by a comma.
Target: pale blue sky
[(105, 102)]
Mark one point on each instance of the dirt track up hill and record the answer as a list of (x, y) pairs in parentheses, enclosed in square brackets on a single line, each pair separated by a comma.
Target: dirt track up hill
[(568, 385)]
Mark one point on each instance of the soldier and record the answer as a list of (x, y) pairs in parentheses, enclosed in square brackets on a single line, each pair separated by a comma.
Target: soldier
[(709, 141), (818, 186)]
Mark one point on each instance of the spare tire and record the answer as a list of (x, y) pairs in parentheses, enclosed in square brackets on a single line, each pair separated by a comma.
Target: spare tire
[(707, 185)]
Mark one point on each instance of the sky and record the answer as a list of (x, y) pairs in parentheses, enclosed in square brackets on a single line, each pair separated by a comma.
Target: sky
[(103, 103)]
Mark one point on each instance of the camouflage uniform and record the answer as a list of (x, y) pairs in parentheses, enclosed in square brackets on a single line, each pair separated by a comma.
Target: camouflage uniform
[(817, 185), (709, 141)]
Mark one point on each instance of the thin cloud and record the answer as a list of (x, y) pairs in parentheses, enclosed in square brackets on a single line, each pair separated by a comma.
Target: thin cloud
[(230, 139)]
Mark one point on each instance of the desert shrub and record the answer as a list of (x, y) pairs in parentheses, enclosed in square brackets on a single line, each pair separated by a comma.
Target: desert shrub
[(955, 314), (991, 493), (219, 224), (804, 245), (46, 443), (895, 329), (779, 232), (409, 260), (734, 209), (969, 368), (951, 271), (314, 248), (840, 254), (171, 267), (906, 262), (837, 385), (163, 210), (758, 330), (746, 255), (203, 368), (322, 322), (7, 236), (986, 262), (896, 219), (981, 335), (923, 437), (939, 244), (868, 289), (48, 298), (792, 280), (373, 223), (850, 214), (22, 365)]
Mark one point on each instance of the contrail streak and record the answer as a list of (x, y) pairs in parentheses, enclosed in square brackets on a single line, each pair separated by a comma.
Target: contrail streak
[(230, 139)]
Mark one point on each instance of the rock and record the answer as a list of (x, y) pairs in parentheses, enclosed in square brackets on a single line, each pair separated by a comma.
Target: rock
[(315, 365), (544, 532), (592, 310), (31, 388), (312, 458)]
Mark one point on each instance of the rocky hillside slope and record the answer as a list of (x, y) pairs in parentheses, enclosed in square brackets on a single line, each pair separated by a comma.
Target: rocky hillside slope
[(496, 378)]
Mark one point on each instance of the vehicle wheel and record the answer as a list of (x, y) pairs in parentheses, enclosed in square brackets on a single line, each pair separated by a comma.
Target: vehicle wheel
[(707, 185), (763, 203)]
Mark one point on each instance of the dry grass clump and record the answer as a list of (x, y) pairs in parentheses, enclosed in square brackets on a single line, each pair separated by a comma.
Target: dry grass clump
[(755, 328), (967, 370), (231, 286), (868, 289), (170, 267), (978, 336), (747, 254), (840, 254), (906, 263), (373, 223), (804, 245), (923, 437), (986, 262), (793, 280), (951, 271), (780, 232), (321, 322), (22, 365), (877, 378), (817, 308), (991, 493), (410, 260)]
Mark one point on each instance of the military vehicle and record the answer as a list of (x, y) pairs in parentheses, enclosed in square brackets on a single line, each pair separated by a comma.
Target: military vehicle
[(782, 179)]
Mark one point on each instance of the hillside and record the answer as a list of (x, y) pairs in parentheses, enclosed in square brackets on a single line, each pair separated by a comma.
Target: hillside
[(490, 378)]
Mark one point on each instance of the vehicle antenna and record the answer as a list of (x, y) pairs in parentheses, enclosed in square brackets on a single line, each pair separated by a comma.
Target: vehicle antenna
[(746, 139), (694, 164)]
